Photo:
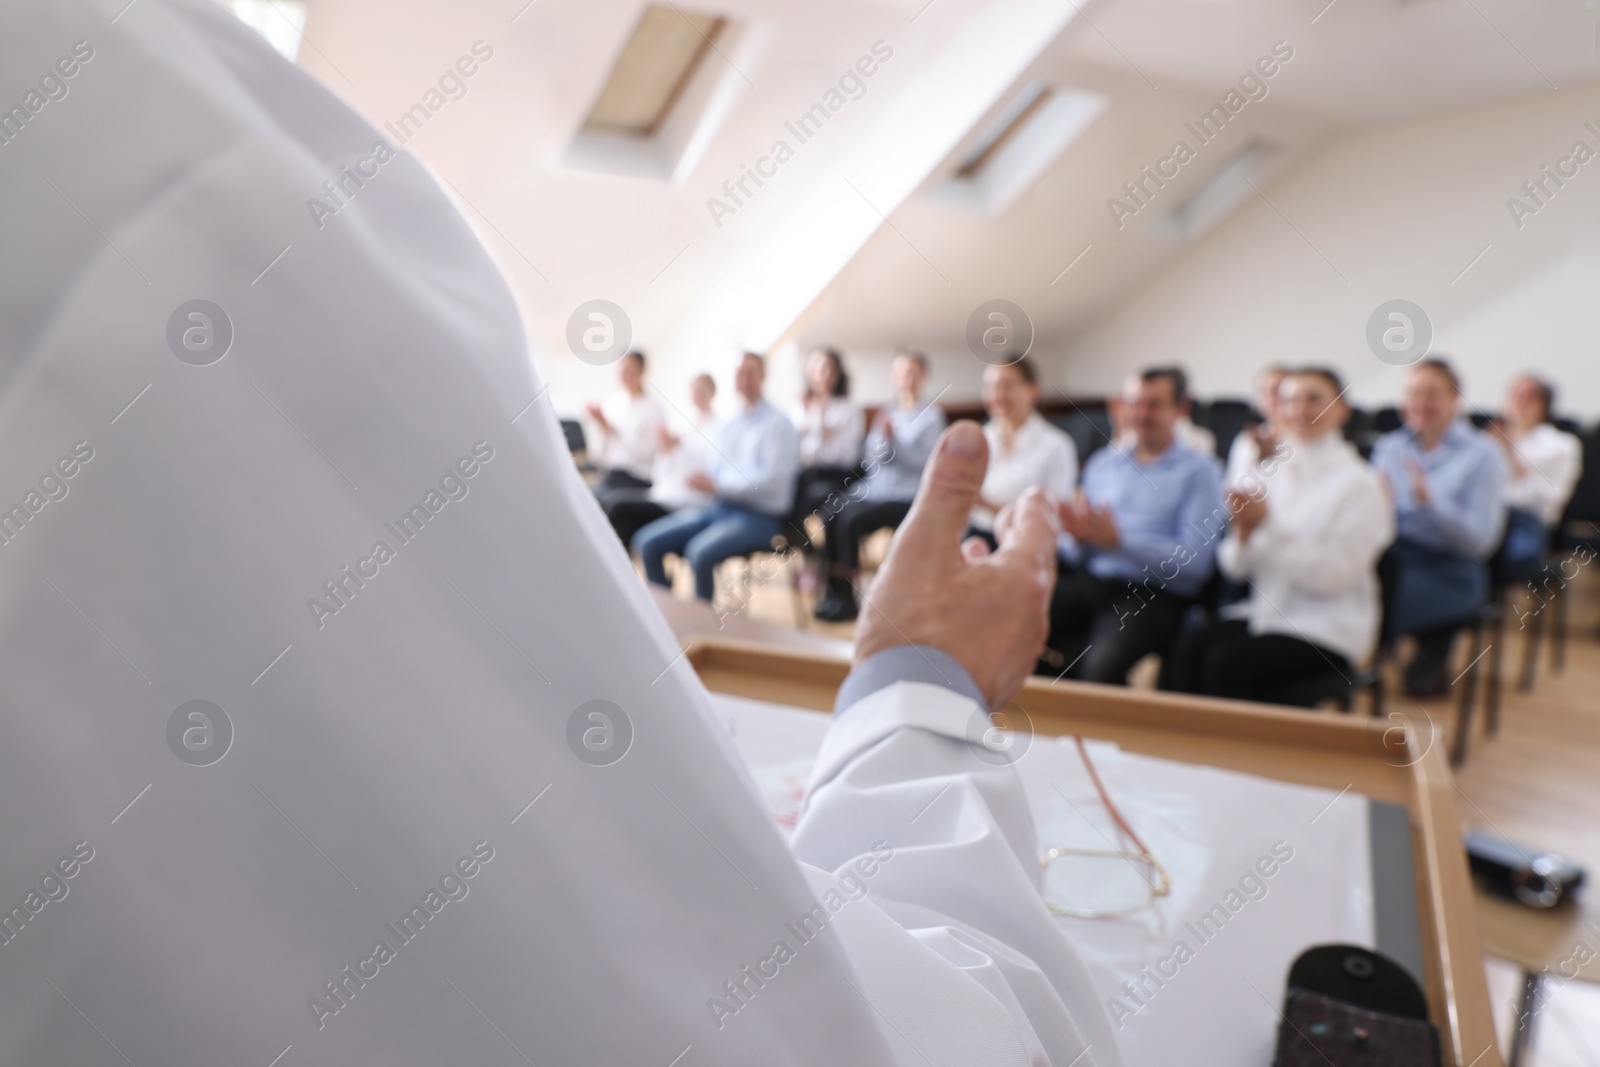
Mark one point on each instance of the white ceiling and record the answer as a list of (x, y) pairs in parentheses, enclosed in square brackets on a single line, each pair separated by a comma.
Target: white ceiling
[(895, 267)]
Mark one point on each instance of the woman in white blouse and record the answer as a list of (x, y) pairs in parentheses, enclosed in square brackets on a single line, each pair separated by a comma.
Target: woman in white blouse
[(1545, 464), (831, 431), (1308, 526), (1024, 450)]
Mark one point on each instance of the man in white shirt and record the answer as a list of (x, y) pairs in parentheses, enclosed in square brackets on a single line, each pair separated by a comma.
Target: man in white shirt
[(751, 477), (1545, 465), (1025, 451), (1309, 521), (627, 425), (680, 456), (478, 808)]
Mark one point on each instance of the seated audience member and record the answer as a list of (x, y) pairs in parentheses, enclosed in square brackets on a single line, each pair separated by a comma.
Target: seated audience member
[(1191, 436), (626, 426), (898, 445), (679, 456), (1309, 523), (1261, 438), (1448, 482), (1139, 539), (831, 428), (1024, 450), (751, 477), (1545, 466)]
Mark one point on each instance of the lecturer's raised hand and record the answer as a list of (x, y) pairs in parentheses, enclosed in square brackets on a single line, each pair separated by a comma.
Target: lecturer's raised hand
[(987, 610)]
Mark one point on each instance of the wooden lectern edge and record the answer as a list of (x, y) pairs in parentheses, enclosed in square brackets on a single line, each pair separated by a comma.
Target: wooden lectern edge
[(1288, 745), (1447, 910)]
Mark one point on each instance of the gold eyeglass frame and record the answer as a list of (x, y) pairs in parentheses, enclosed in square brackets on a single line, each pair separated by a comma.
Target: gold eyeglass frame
[(1160, 885)]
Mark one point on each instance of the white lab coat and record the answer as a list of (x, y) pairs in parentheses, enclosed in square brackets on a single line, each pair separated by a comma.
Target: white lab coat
[(428, 717)]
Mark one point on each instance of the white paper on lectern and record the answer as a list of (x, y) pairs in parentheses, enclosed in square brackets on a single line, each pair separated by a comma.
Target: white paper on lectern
[(1209, 828)]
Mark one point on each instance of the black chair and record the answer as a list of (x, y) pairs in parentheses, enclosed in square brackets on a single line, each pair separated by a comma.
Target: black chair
[(1338, 687), (1365, 427), (1578, 531), (1089, 428), (1361, 431), (1481, 419), (572, 430), (1485, 619), (1568, 426), (1226, 419), (1503, 575)]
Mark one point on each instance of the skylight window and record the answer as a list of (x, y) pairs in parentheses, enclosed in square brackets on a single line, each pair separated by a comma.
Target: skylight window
[(1013, 149), (656, 66), (281, 22), (674, 81), (1005, 126)]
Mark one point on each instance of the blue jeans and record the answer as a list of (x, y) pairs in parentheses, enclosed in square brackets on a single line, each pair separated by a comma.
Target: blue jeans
[(1436, 590), (704, 537)]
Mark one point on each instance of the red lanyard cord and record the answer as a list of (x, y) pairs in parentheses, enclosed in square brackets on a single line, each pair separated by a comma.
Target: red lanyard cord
[(1105, 797)]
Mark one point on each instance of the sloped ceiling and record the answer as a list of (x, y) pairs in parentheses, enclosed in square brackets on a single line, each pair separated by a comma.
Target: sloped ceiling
[(899, 264)]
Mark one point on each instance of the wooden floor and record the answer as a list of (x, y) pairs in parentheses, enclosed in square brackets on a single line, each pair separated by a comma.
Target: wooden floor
[(1537, 782)]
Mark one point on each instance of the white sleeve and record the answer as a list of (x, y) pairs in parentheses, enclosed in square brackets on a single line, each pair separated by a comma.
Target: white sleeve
[(1555, 475), (902, 771)]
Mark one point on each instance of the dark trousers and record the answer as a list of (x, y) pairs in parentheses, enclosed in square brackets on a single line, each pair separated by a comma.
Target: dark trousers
[(1224, 659), (630, 512), (811, 493), (616, 483), (1101, 627), (845, 530)]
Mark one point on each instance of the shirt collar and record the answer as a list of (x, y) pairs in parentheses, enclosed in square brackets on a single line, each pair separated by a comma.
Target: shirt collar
[(1173, 453)]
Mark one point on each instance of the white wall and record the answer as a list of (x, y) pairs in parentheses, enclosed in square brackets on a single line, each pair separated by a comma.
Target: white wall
[(1399, 211)]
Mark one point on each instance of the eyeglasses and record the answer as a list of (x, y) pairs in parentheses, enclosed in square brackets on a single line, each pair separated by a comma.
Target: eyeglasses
[(1088, 883)]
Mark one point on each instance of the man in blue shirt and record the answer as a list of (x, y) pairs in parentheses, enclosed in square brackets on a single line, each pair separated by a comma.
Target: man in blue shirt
[(1138, 542), (898, 445), (1448, 482), (754, 462)]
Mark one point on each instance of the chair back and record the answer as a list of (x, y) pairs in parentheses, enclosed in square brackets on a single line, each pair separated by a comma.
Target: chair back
[(1385, 420), (1585, 503), (1226, 419), (1089, 428), (572, 429), (1568, 426), (1359, 431)]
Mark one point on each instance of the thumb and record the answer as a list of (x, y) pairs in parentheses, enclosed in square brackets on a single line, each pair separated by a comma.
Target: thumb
[(950, 486)]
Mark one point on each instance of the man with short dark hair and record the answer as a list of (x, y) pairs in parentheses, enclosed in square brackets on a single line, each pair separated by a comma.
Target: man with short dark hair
[(1138, 541), (1194, 437), (627, 426)]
